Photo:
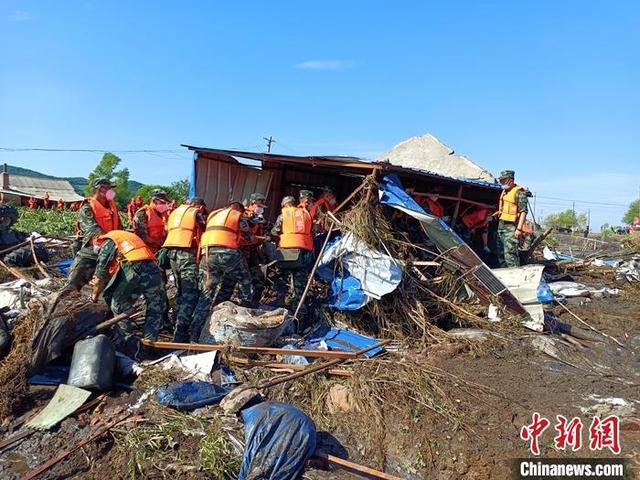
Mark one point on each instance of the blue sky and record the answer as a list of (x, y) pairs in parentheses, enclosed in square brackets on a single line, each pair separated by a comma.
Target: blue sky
[(549, 89)]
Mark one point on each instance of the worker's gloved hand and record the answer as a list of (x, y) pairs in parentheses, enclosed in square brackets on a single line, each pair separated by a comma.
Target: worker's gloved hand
[(97, 285)]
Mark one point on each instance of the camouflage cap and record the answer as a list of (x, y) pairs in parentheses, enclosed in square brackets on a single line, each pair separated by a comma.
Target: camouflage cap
[(196, 201), (257, 197), (288, 199), (103, 182), (328, 189), (505, 174), (160, 194), (306, 194)]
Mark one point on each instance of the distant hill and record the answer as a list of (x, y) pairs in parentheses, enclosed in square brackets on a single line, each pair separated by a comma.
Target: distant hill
[(78, 183)]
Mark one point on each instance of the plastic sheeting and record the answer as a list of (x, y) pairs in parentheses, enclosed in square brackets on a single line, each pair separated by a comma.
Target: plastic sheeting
[(357, 273), (341, 339), (190, 395), (279, 439)]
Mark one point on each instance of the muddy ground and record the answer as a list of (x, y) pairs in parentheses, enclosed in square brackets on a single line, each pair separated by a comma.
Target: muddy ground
[(461, 419)]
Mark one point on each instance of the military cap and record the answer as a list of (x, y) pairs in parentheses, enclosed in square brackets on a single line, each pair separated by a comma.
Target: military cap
[(257, 197), (306, 193), (102, 182), (158, 193), (287, 199), (196, 201), (328, 189), (505, 174)]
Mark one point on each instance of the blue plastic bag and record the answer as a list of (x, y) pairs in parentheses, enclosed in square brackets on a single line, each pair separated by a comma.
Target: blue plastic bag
[(279, 439), (545, 295), (190, 395)]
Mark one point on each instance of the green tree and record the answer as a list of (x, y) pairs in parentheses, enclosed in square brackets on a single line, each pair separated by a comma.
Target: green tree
[(181, 187), (107, 168), (632, 212), (566, 219), (145, 192)]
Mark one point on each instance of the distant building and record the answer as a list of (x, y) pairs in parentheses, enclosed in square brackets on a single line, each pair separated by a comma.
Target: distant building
[(18, 189)]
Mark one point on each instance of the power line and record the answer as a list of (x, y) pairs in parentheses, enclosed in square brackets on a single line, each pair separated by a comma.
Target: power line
[(86, 150), (584, 201)]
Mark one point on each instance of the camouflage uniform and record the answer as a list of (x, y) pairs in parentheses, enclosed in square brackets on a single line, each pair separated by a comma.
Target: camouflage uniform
[(223, 267), (21, 257), (125, 287), (298, 271), (507, 245), (255, 258), (84, 263)]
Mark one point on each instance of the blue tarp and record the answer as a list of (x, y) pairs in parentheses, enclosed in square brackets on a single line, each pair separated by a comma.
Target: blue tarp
[(190, 395), (278, 439), (393, 194), (64, 266), (340, 339)]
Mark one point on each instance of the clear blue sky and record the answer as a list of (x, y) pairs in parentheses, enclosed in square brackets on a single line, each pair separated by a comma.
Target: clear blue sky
[(548, 88)]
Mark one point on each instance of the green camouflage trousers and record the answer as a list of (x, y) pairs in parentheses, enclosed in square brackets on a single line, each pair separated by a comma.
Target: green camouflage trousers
[(299, 273), (82, 268), (254, 259), (220, 272), (126, 286), (185, 273), (507, 245)]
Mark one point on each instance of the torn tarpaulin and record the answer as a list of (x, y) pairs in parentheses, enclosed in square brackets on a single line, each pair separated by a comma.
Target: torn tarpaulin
[(357, 273)]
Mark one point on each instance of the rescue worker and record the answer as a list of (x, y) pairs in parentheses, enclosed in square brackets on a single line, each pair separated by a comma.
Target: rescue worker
[(476, 219), (222, 264), (20, 257), (126, 269), (182, 246), (432, 204), (512, 213), (46, 200), (306, 200), (33, 203), (149, 223), (326, 203), (252, 251), (294, 227), (60, 205), (98, 216)]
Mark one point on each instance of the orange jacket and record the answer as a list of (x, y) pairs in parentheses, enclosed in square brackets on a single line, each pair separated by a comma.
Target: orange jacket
[(106, 218), (156, 227), (508, 209), (184, 230), (434, 207), (223, 229), (476, 218), (130, 247), (296, 228), (322, 202)]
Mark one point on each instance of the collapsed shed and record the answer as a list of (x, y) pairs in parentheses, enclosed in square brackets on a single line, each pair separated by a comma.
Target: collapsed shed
[(422, 164)]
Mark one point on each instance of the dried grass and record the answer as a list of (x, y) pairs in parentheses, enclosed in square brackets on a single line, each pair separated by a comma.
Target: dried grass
[(15, 366)]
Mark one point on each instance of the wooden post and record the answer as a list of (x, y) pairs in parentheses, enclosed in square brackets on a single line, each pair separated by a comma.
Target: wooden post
[(456, 210)]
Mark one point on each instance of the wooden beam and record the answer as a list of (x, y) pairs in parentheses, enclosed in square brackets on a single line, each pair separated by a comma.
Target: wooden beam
[(463, 200), (203, 347), (354, 466)]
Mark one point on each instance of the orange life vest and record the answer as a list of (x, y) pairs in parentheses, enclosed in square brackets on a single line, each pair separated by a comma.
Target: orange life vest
[(322, 202), (296, 228), (434, 207), (156, 229), (106, 218), (130, 247), (222, 229), (476, 218), (508, 209), (184, 231)]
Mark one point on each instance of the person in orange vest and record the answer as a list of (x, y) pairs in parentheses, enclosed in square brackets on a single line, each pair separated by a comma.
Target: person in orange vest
[(60, 205), (150, 222), (294, 227), (182, 245), (172, 206), (253, 252), (46, 200), (222, 266), (512, 213), (98, 215), (126, 269), (33, 203), (476, 219), (431, 203), (326, 203)]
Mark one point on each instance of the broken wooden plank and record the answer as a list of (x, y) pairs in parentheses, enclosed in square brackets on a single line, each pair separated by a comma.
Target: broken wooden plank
[(203, 347)]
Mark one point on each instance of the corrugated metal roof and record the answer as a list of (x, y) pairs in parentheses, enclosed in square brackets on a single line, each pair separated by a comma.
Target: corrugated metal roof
[(339, 162), (37, 187)]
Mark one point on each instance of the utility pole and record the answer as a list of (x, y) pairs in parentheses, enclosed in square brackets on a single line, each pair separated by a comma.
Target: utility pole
[(269, 140), (588, 220), (534, 205)]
